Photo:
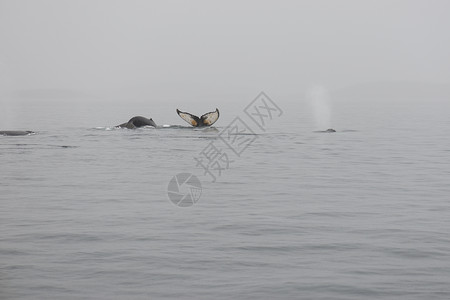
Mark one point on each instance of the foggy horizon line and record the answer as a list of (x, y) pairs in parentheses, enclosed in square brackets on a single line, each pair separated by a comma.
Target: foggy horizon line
[(387, 88)]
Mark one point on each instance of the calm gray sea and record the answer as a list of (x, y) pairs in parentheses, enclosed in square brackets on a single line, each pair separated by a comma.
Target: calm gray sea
[(363, 213)]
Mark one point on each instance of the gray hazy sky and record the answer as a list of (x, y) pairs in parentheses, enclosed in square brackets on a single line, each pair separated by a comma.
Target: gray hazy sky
[(217, 47)]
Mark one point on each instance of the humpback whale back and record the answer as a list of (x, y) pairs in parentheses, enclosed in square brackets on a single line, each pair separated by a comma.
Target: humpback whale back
[(205, 120), (137, 122)]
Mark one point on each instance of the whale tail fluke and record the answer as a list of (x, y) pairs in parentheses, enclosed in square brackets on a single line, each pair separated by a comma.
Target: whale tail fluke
[(205, 120)]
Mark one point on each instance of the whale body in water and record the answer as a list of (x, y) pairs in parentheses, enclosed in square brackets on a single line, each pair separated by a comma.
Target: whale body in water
[(136, 122), (329, 130), (204, 121), (15, 132)]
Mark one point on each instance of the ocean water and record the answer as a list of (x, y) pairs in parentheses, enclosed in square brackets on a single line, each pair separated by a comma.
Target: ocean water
[(363, 213)]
